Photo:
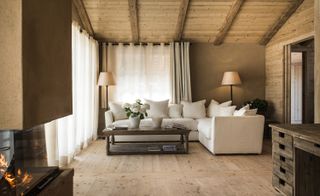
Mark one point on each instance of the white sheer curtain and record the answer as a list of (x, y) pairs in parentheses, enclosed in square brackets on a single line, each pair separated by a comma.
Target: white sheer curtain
[(141, 71), (67, 136)]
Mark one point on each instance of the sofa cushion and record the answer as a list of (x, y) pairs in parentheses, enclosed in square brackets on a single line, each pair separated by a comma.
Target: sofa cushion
[(189, 123), (214, 108), (117, 111), (158, 108), (204, 127), (227, 111), (241, 111), (245, 111), (175, 111), (194, 109)]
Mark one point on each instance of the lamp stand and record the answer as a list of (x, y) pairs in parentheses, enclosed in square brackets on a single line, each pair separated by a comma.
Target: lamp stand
[(231, 93), (107, 100)]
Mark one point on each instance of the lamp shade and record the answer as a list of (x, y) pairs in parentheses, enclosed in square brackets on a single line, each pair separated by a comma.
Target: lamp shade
[(106, 79), (231, 78)]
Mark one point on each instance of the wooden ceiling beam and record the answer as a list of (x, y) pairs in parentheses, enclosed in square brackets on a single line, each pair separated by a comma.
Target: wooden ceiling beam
[(280, 22), (133, 13), (232, 14), (181, 19), (83, 16)]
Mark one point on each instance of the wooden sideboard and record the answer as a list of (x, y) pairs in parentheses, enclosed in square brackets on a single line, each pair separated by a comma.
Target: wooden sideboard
[(296, 159)]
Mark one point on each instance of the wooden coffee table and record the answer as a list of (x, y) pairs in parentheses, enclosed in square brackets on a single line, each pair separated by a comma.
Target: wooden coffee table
[(146, 147)]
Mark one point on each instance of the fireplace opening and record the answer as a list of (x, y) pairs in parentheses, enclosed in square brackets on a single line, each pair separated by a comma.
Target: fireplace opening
[(23, 163)]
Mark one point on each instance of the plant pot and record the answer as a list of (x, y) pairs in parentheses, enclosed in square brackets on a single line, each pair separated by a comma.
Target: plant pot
[(134, 122), (157, 122)]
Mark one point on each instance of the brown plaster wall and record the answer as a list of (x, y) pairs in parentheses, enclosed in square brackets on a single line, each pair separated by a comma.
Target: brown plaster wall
[(47, 73), (209, 62)]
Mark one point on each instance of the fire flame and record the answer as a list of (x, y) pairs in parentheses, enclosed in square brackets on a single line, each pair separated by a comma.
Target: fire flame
[(14, 180)]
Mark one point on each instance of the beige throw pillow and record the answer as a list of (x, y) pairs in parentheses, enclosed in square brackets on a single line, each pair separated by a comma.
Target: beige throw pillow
[(175, 111), (214, 107), (117, 111), (194, 109), (158, 109)]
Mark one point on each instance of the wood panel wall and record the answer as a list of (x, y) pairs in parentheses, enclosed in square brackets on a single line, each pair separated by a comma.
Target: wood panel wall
[(299, 26), (317, 62)]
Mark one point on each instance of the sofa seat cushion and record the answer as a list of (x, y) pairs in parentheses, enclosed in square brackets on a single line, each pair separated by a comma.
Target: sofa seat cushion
[(204, 127), (189, 123)]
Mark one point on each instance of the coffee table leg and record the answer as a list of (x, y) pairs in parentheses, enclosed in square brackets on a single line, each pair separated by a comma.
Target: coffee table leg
[(107, 145), (181, 138), (112, 139), (187, 143)]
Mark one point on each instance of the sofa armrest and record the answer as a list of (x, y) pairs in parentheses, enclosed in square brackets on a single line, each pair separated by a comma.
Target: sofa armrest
[(238, 134), (108, 118)]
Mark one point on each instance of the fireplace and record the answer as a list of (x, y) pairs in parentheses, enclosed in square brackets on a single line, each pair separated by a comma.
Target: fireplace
[(23, 165)]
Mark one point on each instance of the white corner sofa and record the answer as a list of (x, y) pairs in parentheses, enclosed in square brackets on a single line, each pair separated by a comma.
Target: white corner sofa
[(220, 135)]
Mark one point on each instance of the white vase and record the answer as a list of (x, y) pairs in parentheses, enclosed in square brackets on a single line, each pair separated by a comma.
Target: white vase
[(157, 122), (134, 122)]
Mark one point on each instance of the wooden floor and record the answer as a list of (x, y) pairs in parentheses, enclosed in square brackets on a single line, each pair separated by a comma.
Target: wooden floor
[(198, 173)]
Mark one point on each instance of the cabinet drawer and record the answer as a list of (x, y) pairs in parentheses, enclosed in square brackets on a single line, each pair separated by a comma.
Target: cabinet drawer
[(307, 146), (283, 161), (281, 185), (282, 137), (282, 149), (283, 173)]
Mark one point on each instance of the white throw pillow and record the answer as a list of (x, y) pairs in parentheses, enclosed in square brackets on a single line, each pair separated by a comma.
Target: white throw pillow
[(242, 111), (158, 109), (117, 111), (226, 111), (225, 104), (194, 109), (214, 107), (175, 111)]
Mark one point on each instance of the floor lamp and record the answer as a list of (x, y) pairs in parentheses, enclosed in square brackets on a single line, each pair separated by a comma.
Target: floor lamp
[(231, 78), (106, 79)]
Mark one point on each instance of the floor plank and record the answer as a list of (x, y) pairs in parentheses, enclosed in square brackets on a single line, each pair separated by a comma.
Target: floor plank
[(198, 173)]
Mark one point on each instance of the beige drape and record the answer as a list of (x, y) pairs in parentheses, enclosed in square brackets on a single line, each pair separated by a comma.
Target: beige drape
[(180, 72)]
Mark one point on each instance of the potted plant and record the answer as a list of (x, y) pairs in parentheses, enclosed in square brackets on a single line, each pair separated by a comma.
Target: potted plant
[(260, 104), (136, 112)]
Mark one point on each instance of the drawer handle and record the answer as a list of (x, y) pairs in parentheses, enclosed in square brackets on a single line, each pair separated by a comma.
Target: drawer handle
[(317, 145), (281, 146), (282, 158), (282, 182), (282, 170), (281, 134)]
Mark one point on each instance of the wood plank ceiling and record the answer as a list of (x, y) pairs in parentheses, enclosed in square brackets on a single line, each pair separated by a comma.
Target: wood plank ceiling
[(214, 21)]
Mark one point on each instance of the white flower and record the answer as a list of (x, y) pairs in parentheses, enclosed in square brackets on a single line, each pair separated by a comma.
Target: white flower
[(126, 105), (143, 110), (135, 105), (135, 110)]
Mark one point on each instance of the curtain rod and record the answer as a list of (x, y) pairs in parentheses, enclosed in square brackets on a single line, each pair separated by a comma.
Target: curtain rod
[(137, 44)]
